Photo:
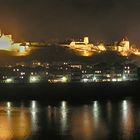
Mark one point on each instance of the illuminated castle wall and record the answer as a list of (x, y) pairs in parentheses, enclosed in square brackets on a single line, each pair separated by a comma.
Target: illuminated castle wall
[(87, 49), (7, 44), (81, 45), (5, 41)]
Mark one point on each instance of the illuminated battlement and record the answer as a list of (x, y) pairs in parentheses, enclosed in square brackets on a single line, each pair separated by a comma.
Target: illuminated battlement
[(7, 44), (84, 48)]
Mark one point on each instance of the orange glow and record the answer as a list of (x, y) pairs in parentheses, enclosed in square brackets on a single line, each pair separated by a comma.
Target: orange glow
[(84, 53), (14, 124), (84, 48), (5, 128), (17, 49), (101, 47), (82, 125)]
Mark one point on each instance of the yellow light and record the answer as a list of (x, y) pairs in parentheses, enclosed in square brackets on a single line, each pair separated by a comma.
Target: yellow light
[(17, 49), (101, 47), (64, 79), (84, 53)]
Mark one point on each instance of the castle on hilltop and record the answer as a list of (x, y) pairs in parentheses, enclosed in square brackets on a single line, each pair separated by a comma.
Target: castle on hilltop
[(7, 44), (123, 47)]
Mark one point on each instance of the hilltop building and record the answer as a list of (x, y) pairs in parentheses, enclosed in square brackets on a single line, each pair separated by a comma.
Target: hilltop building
[(81, 45), (86, 49), (7, 44), (123, 47)]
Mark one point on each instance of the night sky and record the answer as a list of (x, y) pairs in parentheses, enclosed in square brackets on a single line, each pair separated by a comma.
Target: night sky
[(101, 20)]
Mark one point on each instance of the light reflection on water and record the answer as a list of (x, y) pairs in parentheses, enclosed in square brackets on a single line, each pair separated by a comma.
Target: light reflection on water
[(33, 120), (14, 122), (127, 120)]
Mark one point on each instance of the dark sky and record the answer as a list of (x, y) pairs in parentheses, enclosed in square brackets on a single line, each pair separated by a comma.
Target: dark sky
[(101, 20)]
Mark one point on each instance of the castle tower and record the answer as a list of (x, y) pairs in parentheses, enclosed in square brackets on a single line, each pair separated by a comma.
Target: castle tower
[(126, 44), (86, 40)]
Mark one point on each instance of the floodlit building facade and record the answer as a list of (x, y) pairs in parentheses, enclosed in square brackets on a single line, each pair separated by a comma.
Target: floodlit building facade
[(7, 44)]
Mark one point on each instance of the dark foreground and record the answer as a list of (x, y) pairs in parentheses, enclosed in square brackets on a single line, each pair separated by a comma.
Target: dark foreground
[(73, 91), (96, 111)]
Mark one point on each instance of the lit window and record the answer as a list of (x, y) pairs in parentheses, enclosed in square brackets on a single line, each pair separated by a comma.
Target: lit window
[(22, 73), (114, 80), (108, 75)]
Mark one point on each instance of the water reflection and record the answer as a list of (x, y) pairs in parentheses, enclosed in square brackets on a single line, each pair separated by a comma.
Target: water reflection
[(96, 113), (63, 116), (8, 105), (109, 111), (82, 123), (34, 116), (14, 123), (95, 120), (127, 120)]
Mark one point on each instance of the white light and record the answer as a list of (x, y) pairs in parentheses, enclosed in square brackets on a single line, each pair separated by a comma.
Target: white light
[(63, 111), (9, 80), (22, 73), (124, 105), (34, 79), (63, 104), (85, 80), (124, 77), (114, 80), (33, 104), (94, 79), (95, 106), (8, 105), (96, 112)]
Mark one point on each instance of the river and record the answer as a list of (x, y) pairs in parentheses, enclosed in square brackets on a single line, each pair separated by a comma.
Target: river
[(92, 120)]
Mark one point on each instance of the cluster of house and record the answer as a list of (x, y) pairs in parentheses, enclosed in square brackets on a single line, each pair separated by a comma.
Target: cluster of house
[(68, 72)]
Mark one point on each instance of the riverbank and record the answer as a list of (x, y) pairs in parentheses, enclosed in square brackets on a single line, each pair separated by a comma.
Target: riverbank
[(71, 91)]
